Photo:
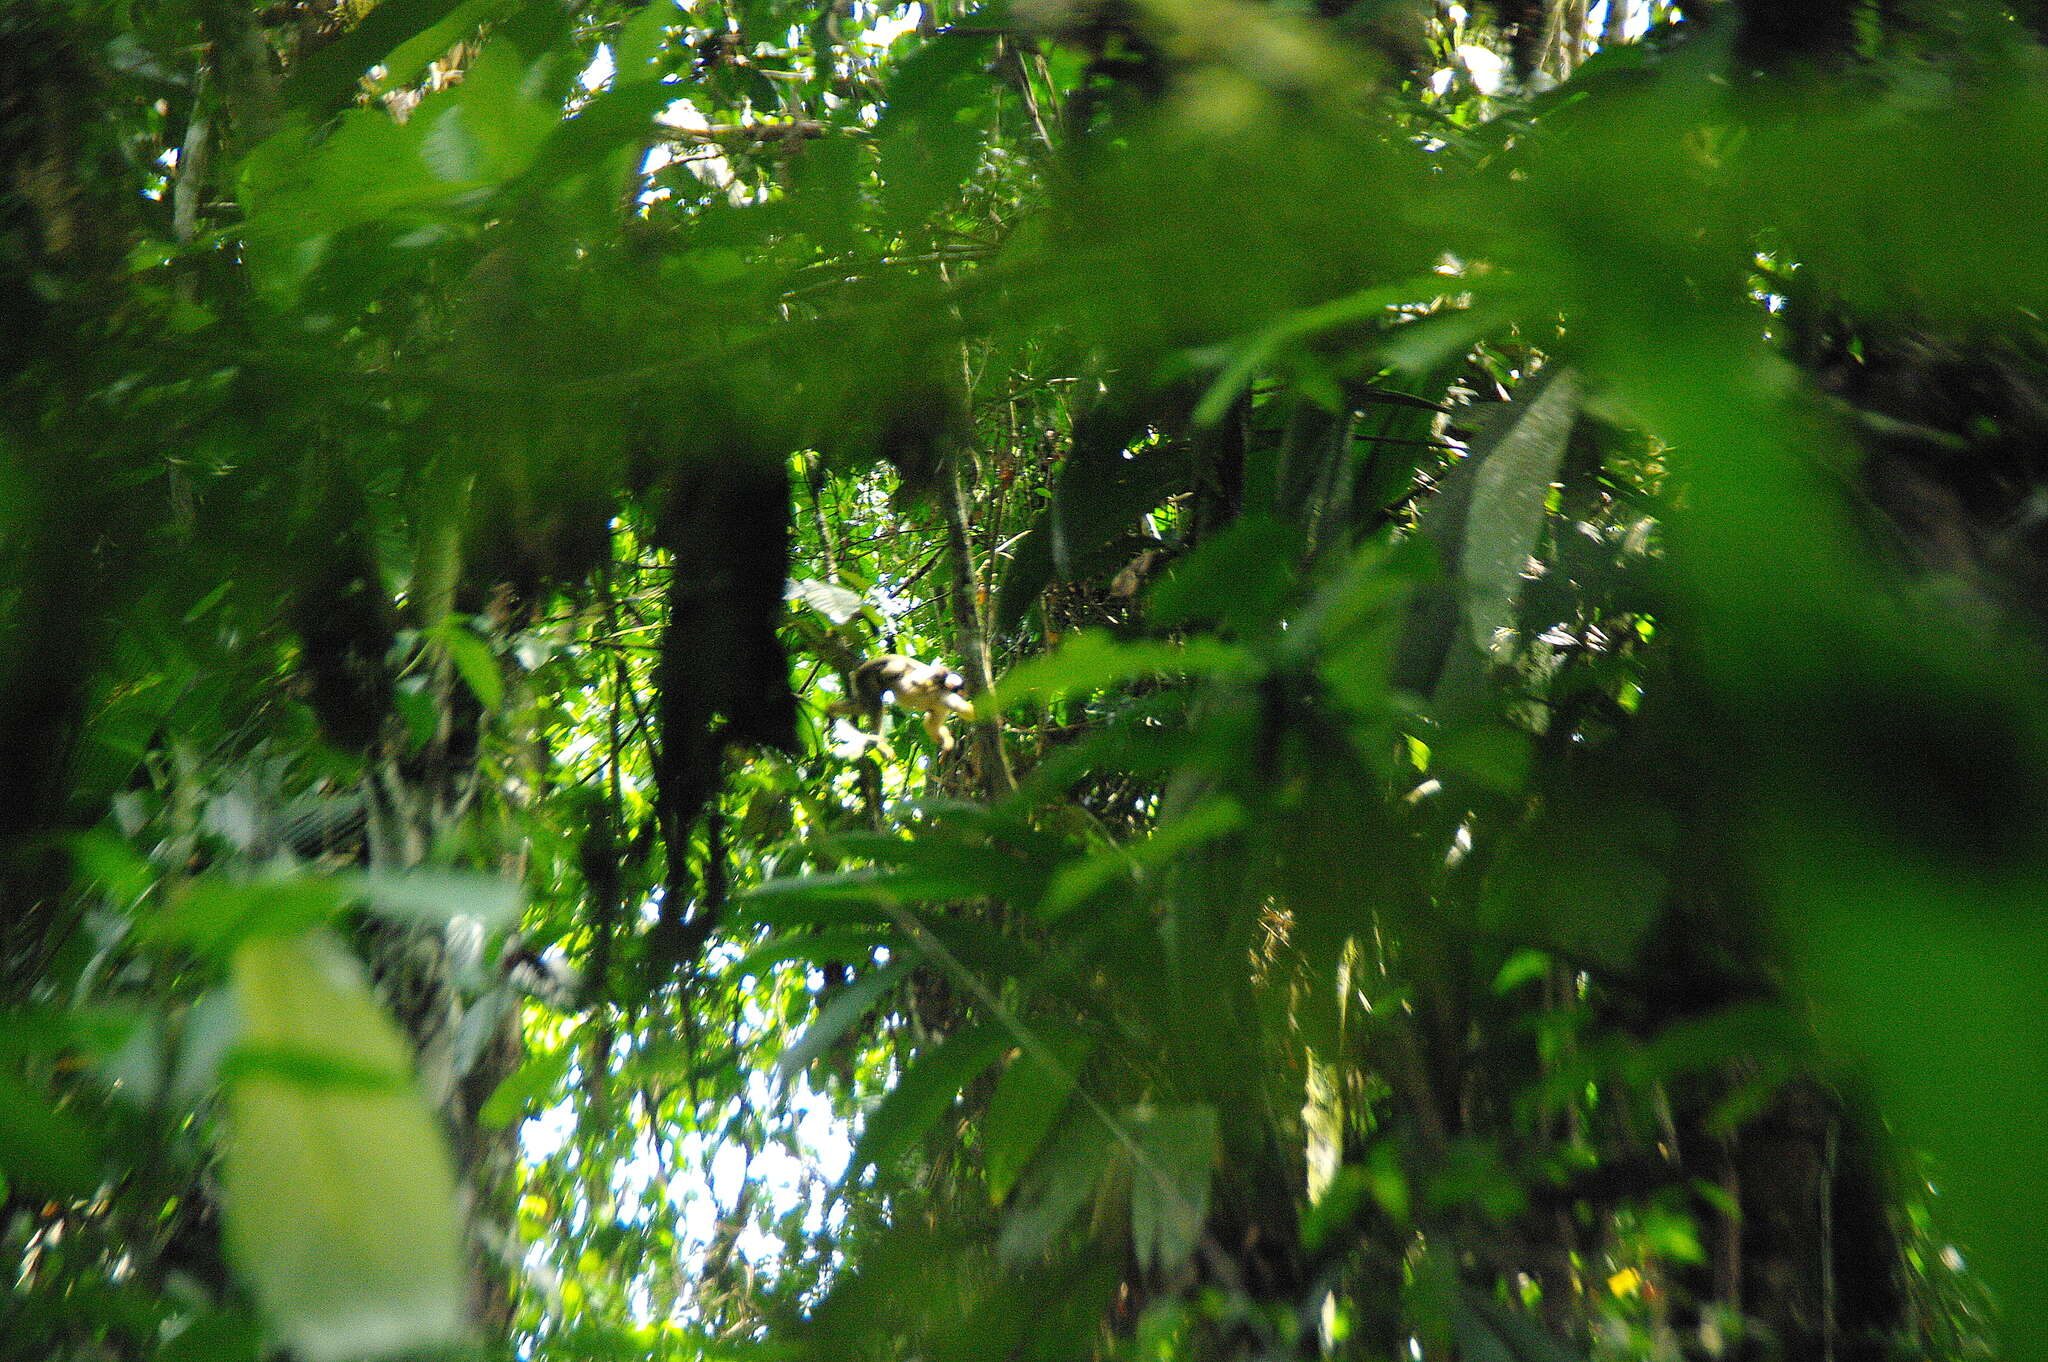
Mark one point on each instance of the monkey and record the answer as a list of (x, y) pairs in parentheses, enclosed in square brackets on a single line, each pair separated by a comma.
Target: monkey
[(925, 687)]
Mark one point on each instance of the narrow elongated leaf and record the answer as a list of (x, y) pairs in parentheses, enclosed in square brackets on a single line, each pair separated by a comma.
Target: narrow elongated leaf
[(1027, 1103), (836, 1017), (1092, 660), (927, 1089)]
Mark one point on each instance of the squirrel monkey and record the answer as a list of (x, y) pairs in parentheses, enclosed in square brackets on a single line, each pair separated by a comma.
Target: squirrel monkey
[(927, 688)]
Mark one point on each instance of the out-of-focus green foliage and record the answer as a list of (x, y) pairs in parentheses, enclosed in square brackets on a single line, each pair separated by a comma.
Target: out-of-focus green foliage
[(1497, 549)]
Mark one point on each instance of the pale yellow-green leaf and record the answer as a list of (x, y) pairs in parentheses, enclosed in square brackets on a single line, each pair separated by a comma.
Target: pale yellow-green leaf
[(339, 1192)]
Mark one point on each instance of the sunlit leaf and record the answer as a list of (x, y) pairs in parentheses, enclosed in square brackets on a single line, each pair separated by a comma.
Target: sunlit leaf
[(214, 914), (531, 1082), (339, 1198), (1092, 660), (475, 664)]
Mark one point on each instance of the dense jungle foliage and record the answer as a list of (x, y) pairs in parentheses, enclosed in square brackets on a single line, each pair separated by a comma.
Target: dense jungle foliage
[(1499, 551)]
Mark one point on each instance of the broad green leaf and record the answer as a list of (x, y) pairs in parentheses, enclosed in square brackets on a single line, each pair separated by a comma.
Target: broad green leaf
[(1932, 980), (1585, 877), (641, 40), (216, 1336), (928, 1088), (621, 117), (1078, 881), (1115, 473), (213, 914), (1028, 1101), (474, 662), (930, 135), (45, 1149), (846, 896), (1254, 353), (1511, 489), (1060, 1183), (852, 946), (438, 896), (1177, 1148), (339, 1198), (407, 63), (1491, 1332), (978, 869), (330, 77), (1239, 579)]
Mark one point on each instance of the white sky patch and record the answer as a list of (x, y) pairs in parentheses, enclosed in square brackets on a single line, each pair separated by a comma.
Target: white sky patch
[(601, 69), (697, 1175), (1487, 69), (887, 28), (1635, 20)]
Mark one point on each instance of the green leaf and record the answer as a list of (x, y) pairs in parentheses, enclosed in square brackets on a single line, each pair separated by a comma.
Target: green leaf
[(1092, 660), (532, 1082), (45, 1149), (643, 37), (972, 869), (1490, 1332), (846, 896), (1256, 352), (621, 117), (330, 77), (1101, 490), (851, 946), (1170, 1182), (212, 914), (1078, 881), (1060, 1183), (930, 135), (1585, 877), (1240, 578), (339, 1198), (216, 1336), (928, 1087), (406, 63), (478, 668), (1511, 488), (838, 1016), (437, 897), (1027, 1103)]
